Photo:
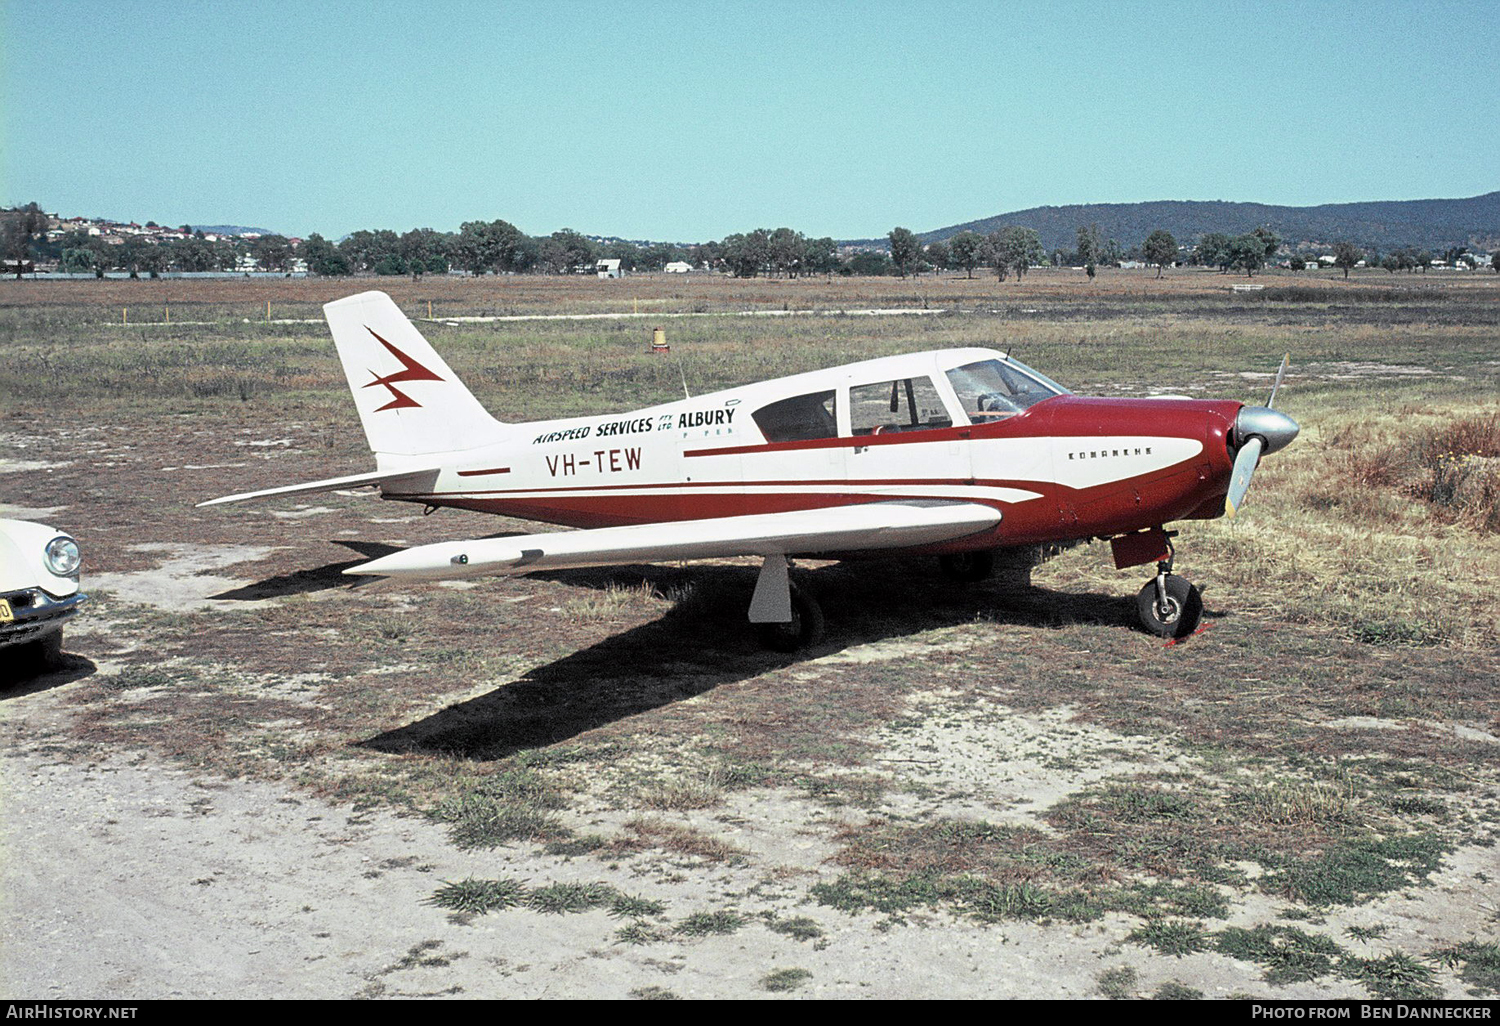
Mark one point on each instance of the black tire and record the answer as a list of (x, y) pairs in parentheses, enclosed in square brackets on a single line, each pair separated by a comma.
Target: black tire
[(33, 658), (805, 629), (969, 567), (48, 652), (1182, 615)]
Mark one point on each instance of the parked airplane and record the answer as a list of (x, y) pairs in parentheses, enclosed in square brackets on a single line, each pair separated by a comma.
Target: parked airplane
[(961, 453)]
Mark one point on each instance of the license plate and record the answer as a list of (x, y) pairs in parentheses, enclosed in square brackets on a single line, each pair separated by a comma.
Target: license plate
[(6, 616)]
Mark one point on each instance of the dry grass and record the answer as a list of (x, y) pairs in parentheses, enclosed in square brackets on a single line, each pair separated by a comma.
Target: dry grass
[(676, 839)]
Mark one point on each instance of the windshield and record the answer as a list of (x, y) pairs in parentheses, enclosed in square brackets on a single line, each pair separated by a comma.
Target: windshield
[(1000, 388)]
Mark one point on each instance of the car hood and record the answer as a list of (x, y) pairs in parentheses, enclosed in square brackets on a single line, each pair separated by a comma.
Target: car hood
[(23, 562)]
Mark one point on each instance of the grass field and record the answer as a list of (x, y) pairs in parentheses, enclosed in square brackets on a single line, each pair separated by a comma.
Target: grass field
[(1300, 801)]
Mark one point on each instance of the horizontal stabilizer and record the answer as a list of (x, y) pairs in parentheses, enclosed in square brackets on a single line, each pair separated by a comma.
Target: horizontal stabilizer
[(421, 480), (875, 525)]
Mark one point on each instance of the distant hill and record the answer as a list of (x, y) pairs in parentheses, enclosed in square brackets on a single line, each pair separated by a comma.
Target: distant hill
[(1428, 224), (231, 229)]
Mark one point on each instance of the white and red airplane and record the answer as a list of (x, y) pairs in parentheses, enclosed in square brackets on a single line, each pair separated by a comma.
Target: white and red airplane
[(960, 453)]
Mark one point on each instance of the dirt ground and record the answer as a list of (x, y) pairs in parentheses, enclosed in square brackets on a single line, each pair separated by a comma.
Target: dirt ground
[(256, 778)]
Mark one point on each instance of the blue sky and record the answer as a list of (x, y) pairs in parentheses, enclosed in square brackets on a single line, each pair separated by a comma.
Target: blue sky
[(689, 121)]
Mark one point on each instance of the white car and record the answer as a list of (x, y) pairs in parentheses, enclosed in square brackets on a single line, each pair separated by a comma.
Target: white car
[(38, 594)]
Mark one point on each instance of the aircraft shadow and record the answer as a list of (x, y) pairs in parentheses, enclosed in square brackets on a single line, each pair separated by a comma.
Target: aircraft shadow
[(301, 582), (704, 642), (73, 668)]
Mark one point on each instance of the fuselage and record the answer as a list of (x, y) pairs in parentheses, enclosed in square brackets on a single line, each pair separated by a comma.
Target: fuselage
[(957, 424)]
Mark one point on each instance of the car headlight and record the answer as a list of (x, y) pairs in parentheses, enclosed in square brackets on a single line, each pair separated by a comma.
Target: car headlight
[(63, 556)]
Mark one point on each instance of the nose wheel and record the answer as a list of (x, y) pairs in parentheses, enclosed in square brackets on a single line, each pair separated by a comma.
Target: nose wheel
[(1169, 606)]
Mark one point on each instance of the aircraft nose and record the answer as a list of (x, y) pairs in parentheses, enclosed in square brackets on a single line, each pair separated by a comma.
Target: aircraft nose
[(1273, 427)]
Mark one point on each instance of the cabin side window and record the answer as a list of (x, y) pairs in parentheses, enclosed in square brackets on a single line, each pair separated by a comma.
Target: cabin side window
[(907, 404), (800, 418)]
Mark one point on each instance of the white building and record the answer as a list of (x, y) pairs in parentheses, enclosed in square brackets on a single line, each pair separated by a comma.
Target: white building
[(608, 268), (678, 267)]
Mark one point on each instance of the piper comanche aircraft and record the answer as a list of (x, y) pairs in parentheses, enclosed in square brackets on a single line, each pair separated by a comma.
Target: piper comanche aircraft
[(959, 453)]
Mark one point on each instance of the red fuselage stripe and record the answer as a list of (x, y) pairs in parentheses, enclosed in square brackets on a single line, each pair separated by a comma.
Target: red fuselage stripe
[(931, 482)]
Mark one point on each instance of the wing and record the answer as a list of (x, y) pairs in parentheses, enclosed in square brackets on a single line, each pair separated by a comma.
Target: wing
[(875, 525)]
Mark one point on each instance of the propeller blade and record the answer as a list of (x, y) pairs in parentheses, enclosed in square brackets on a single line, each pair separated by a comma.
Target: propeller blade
[(1239, 481), (1276, 386)]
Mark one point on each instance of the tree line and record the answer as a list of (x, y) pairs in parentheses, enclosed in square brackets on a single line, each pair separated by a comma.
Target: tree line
[(499, 247)]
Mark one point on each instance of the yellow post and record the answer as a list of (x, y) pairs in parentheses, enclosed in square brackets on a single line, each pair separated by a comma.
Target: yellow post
[(124, 315), (169, 312), (268, 309), (429, 309)]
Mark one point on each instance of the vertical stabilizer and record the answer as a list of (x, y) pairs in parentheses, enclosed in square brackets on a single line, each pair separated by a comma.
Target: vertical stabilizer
[(410, 401)]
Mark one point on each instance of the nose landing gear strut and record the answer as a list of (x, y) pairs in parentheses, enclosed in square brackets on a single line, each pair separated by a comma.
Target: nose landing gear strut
[(1169, 606)]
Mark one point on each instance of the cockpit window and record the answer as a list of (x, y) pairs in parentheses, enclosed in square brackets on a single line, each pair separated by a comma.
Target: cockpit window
[(1000, 388), (799, 418)]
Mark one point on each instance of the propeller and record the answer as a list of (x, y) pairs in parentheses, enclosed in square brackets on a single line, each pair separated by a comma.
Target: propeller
[(1257, 430), (1276, 385)]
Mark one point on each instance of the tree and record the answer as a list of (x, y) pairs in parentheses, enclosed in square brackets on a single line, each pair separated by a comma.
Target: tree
[(938, 256), (491, 246), (966, 250), (905, 249), (21, 226), (192, 254), (423, 250), (390, 264), (154, 258), (1016, 249), (1345, 256), (784, 249), (127, 255), (77, 260), (272, 252), (323, 257), (820, 256), (867, 262), (1297, 263), (1160, 249), (1215, 250), (226, 254), (747, 255), (563, 252), (1248, 252), (1089, 248)]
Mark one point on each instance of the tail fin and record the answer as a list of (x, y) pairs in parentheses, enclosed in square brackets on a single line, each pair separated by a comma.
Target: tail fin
[(410, 401)]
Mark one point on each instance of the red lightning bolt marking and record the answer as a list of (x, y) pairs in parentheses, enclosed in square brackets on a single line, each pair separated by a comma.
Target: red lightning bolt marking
[(411, 370)]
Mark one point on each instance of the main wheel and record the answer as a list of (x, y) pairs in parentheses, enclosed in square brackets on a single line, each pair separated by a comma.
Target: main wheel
[(1181, 613), (805, 628), (968, 567)]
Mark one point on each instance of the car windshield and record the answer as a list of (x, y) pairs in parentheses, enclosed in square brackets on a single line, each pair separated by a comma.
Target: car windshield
[(1000, 388)]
